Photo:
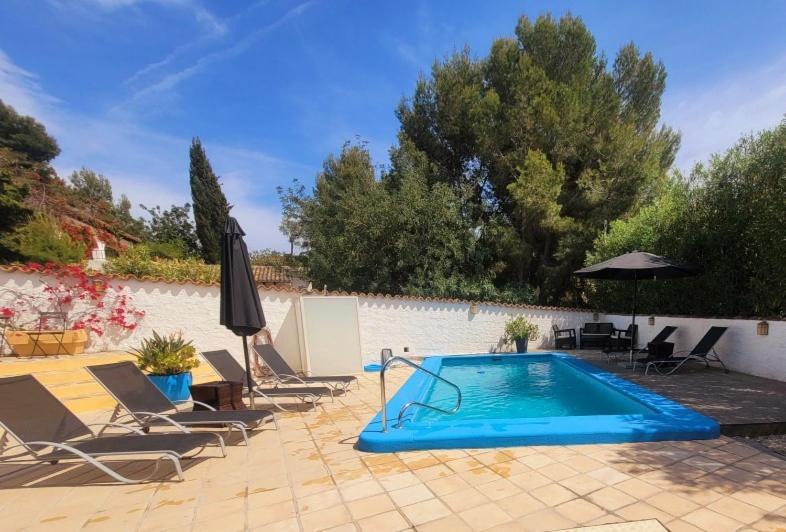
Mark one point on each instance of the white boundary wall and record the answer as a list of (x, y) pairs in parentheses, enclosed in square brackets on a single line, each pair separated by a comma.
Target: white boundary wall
[(424, 326), (740, 348)]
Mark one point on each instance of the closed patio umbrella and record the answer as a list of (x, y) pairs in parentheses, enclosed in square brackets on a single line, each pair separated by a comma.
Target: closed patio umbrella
[(636, 266), (241, 311)]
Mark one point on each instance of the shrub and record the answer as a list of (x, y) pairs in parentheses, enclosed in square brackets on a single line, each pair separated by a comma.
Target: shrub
[(43, 240), (520, 328), (139, 261), (166, 355)]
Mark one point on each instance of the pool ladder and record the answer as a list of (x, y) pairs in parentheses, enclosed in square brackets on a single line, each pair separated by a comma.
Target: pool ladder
[(404, 408)]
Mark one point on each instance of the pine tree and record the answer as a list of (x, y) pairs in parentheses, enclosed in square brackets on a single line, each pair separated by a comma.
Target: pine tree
[(210, 205)]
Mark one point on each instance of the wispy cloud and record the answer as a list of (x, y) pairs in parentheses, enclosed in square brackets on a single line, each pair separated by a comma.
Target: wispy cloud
[(171, 80), (201, 15), (713, 117), (151, 167)]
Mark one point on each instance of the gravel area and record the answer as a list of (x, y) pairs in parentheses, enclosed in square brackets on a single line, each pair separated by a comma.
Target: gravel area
[(776, 443)]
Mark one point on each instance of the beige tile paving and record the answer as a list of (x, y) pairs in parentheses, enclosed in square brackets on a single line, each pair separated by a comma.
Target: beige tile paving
[(307, 476)]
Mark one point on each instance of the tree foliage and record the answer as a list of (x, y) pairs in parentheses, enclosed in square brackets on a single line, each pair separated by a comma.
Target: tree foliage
[(397, 234), (42, 240), (26, 136), (543, 144), (729, 218), (210, 205), (91, 187), (172, 231)]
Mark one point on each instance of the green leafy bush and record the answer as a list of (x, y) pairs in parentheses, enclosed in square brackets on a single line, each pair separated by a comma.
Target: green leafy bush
[(140, 261), (166, 355), (42, 240), (519, 329)]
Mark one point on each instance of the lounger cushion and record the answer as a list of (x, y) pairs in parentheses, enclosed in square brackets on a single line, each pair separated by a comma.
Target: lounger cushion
[(249, 417), (132, 444), (295, 390), (337, 378)]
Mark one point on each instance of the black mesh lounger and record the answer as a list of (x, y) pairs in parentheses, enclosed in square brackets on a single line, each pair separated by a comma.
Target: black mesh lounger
[(48, 432), (149, 407), (286, 375), (659, 338), (230, 369), (703, 352)]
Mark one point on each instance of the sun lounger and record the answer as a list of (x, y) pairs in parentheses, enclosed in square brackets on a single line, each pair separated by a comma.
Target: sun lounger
[(286, 375), (230, 369), (652, 352), (149, 407), (703, 352), (47, 431)]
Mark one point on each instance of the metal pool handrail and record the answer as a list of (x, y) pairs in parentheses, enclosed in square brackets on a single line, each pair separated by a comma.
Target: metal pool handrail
[(411, 403)]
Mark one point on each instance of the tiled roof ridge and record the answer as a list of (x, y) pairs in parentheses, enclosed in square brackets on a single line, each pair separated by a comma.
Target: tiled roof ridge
[(302, 291)]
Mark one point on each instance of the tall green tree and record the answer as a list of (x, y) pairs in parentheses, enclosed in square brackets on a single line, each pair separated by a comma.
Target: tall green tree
[(729, 218), (210, 205), (14, 212), (544, 144)]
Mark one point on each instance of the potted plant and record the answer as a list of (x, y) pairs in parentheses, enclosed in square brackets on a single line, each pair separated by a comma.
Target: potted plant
[(168, 360), (520, 331)]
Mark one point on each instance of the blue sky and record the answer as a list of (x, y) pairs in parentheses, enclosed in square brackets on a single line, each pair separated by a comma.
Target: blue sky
[(272, 87)]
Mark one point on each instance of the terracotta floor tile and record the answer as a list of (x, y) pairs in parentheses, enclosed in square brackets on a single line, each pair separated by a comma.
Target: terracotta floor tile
[(609, 476), (641, 510), (445, 485), (580, 511), (520, 505), (369, 506), (432, 472), (425, 511), (499, 489), (557, 472), (411, 495), (485, 516), (318, 501), (530, 480), (711, 521), (464, 499), (582, 484), (610, 498), (738, 510), (545, 520), (637, 488), (391, 521), (327, 518), (452, 523), (360, 490), (760, 499), (672, 504), (553, 494), (399, 480)]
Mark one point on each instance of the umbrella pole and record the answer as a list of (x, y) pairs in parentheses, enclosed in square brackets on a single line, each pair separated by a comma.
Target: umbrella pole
[(633, 319), (249, 380)]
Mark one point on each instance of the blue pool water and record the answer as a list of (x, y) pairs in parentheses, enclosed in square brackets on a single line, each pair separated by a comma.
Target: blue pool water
[(541, 399), (520, 387)]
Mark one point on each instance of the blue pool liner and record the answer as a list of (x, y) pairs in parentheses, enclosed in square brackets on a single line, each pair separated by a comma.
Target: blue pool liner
[(671, 420), (372, 367)]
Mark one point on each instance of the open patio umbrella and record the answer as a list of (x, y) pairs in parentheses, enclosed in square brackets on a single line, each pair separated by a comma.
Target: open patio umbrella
[(241, 311), (636, 266)]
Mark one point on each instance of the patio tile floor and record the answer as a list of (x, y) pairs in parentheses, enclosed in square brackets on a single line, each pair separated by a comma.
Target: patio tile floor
[(307, 476)]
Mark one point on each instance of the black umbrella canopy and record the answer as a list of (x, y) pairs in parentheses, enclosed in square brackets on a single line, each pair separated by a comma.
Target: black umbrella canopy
[(240, 311), (637, 265)]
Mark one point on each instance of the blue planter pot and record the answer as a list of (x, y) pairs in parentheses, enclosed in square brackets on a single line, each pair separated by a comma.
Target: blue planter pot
[(175, 387)]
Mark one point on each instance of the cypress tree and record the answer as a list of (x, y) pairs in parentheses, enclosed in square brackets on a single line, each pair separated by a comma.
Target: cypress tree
[(210, 205)]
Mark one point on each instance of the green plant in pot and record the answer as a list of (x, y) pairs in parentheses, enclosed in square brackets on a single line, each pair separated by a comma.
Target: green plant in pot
[(168, 360), (520, 331)]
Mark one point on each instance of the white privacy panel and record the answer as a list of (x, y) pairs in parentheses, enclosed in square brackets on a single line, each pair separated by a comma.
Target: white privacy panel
[(331, 335)]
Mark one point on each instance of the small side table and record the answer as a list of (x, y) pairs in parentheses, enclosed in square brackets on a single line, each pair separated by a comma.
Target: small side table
[(221, 395)]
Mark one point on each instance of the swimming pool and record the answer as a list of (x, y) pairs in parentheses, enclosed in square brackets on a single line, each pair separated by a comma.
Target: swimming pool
[(542, 399)]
